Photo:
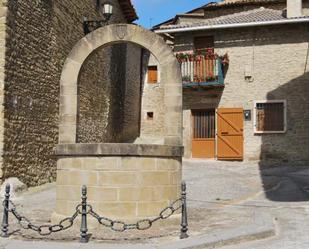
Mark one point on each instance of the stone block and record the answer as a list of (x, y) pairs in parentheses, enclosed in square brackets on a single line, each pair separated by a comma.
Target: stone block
[(102, 194), (168, 164), (117, 178), (140, 194), (81, 51), (69, 193), (63, 177), (101, 163), (80, 177), (70, 72), (137, 164), (175, 177), (154, 178), (68, 119), (121, 209), (68, 105), (150, 209), (68, 90)]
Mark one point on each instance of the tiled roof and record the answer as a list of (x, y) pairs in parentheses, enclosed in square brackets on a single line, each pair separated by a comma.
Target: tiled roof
[(251, 16), (241, 2), (227, 4), (128, 10)]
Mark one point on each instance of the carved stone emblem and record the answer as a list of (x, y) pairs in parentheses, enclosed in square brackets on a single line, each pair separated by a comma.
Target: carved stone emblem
[(121, 31)]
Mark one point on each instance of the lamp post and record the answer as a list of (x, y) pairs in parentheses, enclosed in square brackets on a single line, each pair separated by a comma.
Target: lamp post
[(107, 11)]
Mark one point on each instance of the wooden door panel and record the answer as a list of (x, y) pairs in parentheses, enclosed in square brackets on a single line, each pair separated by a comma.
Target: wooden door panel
[(230, 134), (203, 141), (204, 148)]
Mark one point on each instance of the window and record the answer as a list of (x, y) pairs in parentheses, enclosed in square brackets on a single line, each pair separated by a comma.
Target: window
[(152, 74), (149, 115), (204, 42), (203, 124), (270, 116)]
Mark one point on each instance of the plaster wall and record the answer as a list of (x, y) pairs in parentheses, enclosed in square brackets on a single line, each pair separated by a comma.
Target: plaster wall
[(277, 59)]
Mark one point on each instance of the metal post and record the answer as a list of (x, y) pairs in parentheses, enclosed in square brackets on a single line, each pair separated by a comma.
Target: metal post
[(5, 220), (83, 226), (184, 215)]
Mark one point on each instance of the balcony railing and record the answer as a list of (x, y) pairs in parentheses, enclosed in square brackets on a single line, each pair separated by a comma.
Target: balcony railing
[(202, 69)]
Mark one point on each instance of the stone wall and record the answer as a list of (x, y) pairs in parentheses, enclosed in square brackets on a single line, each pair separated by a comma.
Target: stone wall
[(93, 94), (39, 36), (3, 14), (109, 95), (277, 58), (153, 99)]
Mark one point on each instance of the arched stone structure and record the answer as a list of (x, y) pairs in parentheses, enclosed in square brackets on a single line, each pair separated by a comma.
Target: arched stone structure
[(125, 181), (169, 74)]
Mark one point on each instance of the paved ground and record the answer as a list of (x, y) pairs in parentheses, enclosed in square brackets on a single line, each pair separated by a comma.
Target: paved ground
[(221, 196), (280, 192)]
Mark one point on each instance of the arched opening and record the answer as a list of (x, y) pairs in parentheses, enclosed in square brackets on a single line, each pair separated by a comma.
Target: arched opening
[(107, 104), (112, 83)]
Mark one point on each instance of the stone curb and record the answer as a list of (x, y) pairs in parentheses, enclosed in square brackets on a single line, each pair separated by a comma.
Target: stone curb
[(262, 228)]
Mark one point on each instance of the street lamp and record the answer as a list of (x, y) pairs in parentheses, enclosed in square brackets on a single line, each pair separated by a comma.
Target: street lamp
[(107, 11)]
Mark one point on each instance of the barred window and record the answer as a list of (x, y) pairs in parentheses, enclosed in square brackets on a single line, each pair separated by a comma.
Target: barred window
[(270, 116), (204, 124)]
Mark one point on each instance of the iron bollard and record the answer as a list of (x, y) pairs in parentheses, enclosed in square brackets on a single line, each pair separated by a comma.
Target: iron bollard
[(184, 215), (83, 226), (5, 220)]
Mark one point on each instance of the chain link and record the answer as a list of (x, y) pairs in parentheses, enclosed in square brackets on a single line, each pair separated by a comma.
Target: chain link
[(145, 224), (79, 209), (43, 230), (13, 208)]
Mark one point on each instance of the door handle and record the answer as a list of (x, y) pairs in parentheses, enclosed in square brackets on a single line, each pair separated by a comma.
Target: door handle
[(224, 133)]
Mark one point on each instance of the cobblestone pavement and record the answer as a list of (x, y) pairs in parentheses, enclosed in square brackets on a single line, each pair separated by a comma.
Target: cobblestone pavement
[(221, 195)]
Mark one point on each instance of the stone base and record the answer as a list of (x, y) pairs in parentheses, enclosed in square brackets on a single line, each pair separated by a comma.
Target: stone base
[(133, 185)]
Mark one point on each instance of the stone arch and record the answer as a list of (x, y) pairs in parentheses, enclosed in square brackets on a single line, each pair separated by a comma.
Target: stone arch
[(170, 78)]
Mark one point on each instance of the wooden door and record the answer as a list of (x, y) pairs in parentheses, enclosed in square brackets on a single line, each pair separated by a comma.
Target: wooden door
[(230, 134), (203, 142)]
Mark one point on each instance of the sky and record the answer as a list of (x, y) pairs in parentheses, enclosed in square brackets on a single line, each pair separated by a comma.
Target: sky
[(152, 12)]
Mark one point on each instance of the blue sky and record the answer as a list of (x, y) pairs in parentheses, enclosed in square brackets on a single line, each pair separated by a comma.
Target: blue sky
[(152, 12)]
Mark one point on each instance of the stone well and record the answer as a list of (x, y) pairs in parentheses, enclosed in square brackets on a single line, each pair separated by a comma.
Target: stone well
[(126, 181)]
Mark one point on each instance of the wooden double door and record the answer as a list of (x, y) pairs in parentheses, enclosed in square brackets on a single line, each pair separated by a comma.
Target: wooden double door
[(218, 134)]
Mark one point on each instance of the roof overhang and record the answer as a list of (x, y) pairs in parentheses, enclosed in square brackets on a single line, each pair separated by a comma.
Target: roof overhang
[(128, 10), (227, 26)]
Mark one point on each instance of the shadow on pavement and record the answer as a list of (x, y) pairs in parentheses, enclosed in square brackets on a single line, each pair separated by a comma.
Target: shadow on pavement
[(290, 151)]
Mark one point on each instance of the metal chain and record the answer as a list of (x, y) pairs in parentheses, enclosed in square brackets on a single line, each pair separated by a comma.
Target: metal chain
[(115, 225), (43, 230), (144, 224), (13, 206)]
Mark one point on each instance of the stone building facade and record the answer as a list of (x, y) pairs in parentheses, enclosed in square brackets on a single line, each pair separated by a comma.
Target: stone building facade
[(266, 64), (35, 39)]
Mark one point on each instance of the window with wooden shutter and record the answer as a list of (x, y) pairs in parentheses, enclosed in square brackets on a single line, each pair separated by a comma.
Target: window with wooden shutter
[(204, 42), (152, 74), (270, 116)]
